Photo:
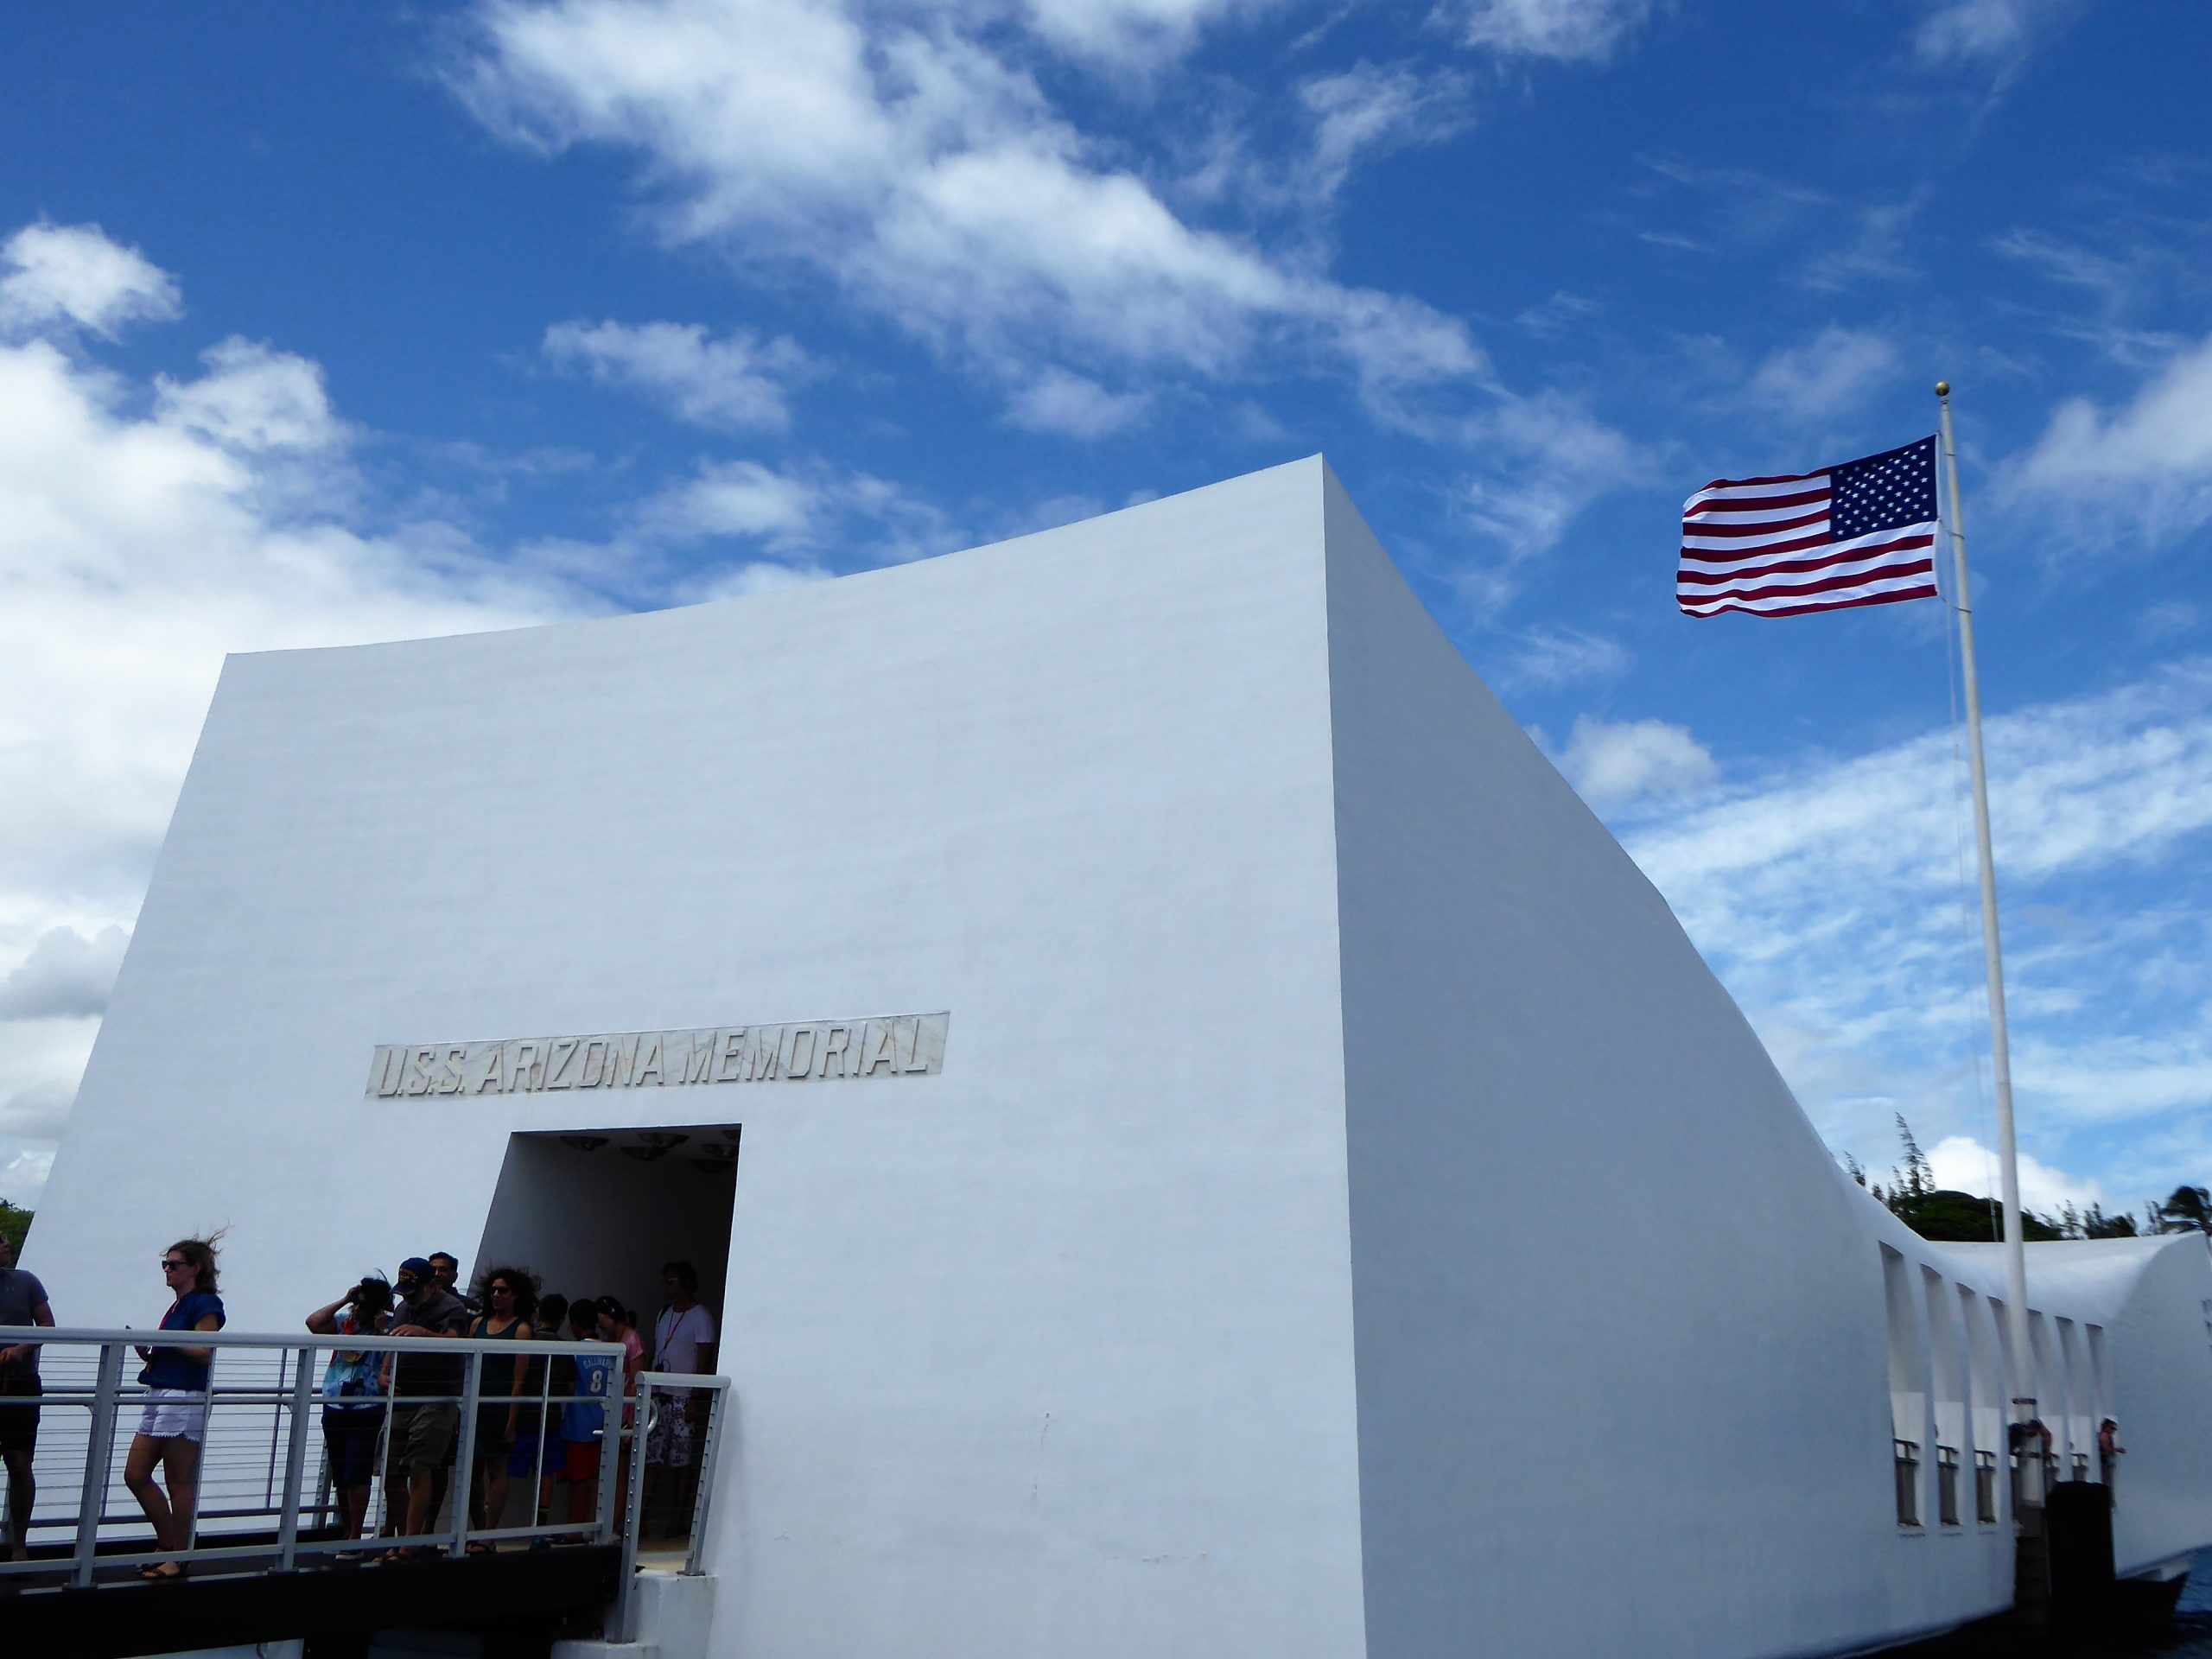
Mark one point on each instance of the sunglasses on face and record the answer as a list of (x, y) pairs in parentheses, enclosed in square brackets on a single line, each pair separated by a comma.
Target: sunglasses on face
[(169, 1264), (503, 1290)]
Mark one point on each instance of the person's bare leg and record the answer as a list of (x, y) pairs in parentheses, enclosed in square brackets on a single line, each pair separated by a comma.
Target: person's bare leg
[(139, 1475), (180, 1464), (23, 1491), (421, 1497), (355, 1500)]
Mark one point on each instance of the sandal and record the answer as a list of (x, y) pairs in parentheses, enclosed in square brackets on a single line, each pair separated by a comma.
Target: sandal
[(483, 1546), (159, 1572)]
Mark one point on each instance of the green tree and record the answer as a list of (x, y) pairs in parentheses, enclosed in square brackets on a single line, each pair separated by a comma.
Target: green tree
[(2097, 1225), (2190, 1210), (14, 1223), (1946, 1213)]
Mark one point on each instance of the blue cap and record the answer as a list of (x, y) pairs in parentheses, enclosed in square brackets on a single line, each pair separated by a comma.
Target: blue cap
[(417, 1266)]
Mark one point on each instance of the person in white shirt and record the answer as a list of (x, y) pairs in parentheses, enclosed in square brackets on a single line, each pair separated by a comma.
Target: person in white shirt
[(684, 1341)]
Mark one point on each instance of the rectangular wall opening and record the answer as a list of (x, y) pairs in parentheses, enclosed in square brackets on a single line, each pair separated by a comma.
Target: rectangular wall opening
[(596, 1212)]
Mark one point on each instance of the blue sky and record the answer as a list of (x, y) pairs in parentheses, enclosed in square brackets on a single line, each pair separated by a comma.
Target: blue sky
[(325, 324)]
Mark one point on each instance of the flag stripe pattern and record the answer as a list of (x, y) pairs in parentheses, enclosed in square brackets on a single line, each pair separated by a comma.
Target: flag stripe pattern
[(1862, 532)]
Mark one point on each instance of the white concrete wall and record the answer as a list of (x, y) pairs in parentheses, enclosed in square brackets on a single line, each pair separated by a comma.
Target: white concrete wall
[(1350, 1217), (1050, 1352), (1620, 1327), (2162, 1381)]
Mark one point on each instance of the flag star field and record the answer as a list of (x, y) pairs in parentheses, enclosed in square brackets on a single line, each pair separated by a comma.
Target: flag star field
[(321, 325)]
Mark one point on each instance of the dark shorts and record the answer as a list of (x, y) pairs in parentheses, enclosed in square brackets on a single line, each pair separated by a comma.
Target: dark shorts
[(579, 1460), (350, 1436), (19, 1395)]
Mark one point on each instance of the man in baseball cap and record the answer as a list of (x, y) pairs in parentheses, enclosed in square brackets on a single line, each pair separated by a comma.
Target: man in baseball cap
[(426, 1404)]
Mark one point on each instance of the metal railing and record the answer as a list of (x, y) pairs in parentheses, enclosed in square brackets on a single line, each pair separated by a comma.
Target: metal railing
[(265, 1500), (704, 1402)]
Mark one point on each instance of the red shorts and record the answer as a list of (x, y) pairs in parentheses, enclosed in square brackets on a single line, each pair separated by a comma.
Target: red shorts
[(582, 1459)]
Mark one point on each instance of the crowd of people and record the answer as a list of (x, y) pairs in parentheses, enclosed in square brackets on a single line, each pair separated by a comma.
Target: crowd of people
[(541, 1420)]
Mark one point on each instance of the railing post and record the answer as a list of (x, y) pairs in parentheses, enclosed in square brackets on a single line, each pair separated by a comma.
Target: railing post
[(626, 1592), (99, 1452), (704, 1456), (295, 1457), (610, 1469), (464, 1451)]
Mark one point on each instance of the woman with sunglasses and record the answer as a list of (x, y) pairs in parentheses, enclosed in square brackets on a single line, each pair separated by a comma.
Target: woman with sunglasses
[(507, 1429), (174, 1420)]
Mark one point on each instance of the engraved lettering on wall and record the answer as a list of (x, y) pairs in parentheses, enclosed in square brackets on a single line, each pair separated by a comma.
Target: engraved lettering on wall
[(800, 1050)]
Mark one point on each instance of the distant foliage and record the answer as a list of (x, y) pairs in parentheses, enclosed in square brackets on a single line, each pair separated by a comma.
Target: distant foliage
[(2189, 1210), (14, 1224), (1942, 1212)]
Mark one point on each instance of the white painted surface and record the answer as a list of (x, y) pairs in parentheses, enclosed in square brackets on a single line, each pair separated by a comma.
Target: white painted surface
[(1239, 1284)]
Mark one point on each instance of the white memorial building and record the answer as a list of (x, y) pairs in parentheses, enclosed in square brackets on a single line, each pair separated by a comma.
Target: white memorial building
[(1232, 1157)]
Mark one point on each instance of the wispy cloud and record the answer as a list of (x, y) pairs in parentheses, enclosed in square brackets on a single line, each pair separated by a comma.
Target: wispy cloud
[(739, 381), (2146, 464), (1830, 899), (1369, 110), (1826, 377), (1567, 29), (1072, 405), (1986, 31), (937, 185)]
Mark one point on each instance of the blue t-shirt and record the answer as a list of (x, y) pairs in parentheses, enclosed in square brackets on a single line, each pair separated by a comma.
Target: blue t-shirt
[(354, 1377), (170, 1369), (594, 1373)]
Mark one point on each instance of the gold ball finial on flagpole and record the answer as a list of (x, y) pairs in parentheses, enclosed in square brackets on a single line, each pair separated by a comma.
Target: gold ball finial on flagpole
[(1942, 388)]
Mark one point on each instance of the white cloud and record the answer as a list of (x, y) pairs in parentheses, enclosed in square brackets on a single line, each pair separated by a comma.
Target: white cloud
[(1614, 763), (1545, 458), (1834, 900), (251, 398), (1554, 656), (1059, 401), (73, 274), (937, 184), (23, 1174), (1368, 110), (735, 498), (738, 381), (65, 975), (2150, 461), (1550, 29), (754, 576), (146, 529), (37, 1112), (1127, 31), (1983, 31), (1828, 375), (1964, 1165)]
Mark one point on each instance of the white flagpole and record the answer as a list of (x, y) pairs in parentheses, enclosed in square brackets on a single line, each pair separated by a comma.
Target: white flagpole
[(2016, 1259)]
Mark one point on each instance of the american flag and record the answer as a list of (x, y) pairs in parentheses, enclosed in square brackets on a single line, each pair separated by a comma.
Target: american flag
[(1860, 533)]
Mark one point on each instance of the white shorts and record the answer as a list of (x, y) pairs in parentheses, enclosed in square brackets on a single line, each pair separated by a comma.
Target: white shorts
[(173, 1414)]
